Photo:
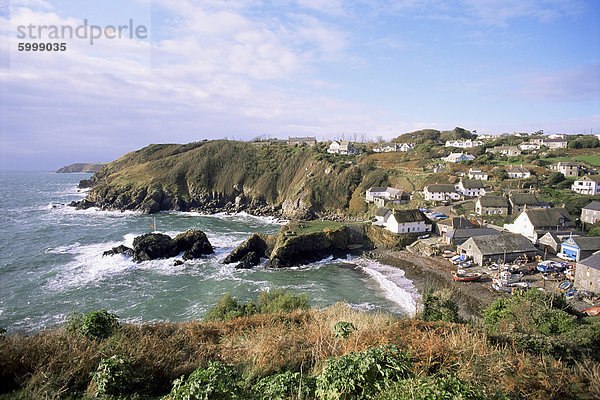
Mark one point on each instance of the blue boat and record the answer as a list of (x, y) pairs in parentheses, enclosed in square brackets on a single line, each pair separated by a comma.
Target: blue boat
[(565, 286)]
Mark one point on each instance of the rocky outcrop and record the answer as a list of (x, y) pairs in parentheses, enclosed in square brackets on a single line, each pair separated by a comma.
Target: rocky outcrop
[(85, 183), (287, 249), (151, 246), (81, 167)]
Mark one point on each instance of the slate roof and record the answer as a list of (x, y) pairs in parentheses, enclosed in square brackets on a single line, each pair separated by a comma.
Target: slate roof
[(473, 232), (587, 243), (382, 211), (456, 222), (498, 244), (472, 184), (517, 170), (521, 199), (592, 261), (595, 178), (549, 217), (440, 187), (377, 189), (493, 201), (593, 206), (559, 236), (404, 216)]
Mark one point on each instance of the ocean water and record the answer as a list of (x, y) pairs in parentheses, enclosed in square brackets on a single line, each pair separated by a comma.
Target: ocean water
[(51, 263)]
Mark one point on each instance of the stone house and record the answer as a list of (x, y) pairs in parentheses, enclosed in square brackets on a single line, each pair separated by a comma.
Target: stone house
[(453, 223), (568, 169), (551, 241), (508, 151), (491, 205), (587, 274), (504, 247), (590, 214), (517, 202), (460, 235)]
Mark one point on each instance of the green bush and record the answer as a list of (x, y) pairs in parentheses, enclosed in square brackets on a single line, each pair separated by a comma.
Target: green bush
[(229, 308), (287, 385), (95, 325), (343, 329), (214, 381), (440, 306), (432, 388), (280, 301), (113, 377), (363, 375)]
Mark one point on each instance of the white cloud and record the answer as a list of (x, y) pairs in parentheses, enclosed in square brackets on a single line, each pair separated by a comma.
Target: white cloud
[(567, 85)]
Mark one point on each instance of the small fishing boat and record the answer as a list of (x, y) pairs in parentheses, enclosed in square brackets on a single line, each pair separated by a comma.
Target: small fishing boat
[(509, 287), (507, 277), (463, 276), (550, 266), (571, 293), (565, 286), (592, 311)]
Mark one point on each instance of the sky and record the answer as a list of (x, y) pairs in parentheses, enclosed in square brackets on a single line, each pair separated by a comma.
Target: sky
[(241, 69)]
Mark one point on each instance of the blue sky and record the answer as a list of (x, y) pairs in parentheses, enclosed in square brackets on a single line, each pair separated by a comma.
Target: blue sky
[(246, 68)]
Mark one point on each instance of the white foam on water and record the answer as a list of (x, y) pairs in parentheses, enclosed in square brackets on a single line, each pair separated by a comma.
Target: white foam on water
[(392, 281), (69, 249)]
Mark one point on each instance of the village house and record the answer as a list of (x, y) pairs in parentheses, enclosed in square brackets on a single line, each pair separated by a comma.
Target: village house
[(568, 169), (387, 148), (471, 187), (588, 184), (517, 202), (590, 214), (491, 205), (458, 157), (557, 136), (408, 221), (527, 146), (302, 141), (460, 235), (440, 192), (587, 274), (452, 223), (555, 143), (518, 173), (381, 216), (406, 146), (485, 137), (476, 173), (551, 241), (342, 147), (464, 144), (534, 223), (508, 151), (501, 248), (580, 247), (386, 195)]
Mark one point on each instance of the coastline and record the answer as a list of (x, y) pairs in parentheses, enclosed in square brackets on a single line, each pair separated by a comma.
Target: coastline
[(426, 272)]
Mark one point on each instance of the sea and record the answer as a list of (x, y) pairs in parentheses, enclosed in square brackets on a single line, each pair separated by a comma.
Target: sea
[(51, 263)]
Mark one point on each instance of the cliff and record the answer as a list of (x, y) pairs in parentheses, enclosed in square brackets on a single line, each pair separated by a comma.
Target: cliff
[(212, 176), (91, 168)]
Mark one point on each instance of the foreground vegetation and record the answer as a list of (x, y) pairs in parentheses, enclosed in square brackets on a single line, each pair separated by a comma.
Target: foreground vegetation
[(277, 348)]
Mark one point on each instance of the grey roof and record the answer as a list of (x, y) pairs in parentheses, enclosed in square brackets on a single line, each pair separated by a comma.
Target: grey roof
[(517, 169), (554, 140), (440, 187), (493, 201), (501, 243), (587, 242), (521, 199), (403, 216), (549, 217), (467, 233), (559, 236), (595, 178), (382, 211), (472, 184), (593, 206), (378, 189), (592, 261), (456, 222)]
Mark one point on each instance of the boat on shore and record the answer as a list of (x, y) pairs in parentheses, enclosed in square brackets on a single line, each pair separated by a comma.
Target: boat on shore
[(565, 286), (462, 276), (509, 287)]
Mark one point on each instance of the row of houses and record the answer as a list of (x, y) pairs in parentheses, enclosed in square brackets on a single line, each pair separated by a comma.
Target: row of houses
[(464, 188), (513, 204), (464, 144), (388, 148), (383, 196), (512, 172)]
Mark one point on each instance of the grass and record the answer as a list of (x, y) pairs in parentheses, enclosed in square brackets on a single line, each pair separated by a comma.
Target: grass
[(57, 364), (589, 159)]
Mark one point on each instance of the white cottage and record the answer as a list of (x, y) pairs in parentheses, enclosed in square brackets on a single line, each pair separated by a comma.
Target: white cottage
[(408, 221)]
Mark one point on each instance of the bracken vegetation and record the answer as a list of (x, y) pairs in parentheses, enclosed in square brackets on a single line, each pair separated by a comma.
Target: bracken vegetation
[(336, 353)]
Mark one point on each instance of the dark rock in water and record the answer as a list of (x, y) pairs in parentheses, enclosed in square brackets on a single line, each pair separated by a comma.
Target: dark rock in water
[(193, 243), (85, 183), (82, 204), (250, 260), (256, 243), (121, 249), (152, 246), (177, 262)]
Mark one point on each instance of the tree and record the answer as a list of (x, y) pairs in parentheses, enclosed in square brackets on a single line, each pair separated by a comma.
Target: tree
[(556, 177)]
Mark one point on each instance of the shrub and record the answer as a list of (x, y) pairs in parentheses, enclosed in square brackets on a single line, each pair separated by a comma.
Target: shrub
[(229, 308), (343, 329), (439, 306), (95, 325), (363, 375), (280, 301), (114, 376), (432, 388), (214, 381), (285, 386)]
